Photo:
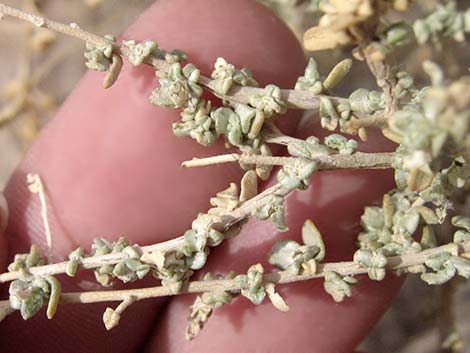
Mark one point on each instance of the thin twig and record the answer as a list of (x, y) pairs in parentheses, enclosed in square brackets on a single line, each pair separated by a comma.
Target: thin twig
[(383, 74), (9, 112), (91, 262), (71, 30), (36, 186), (378, 120), (343, 268), (272, 134), (296, 99), (227, 220), (357, 160)]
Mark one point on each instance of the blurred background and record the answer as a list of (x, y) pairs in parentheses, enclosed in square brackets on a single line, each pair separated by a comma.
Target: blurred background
[(39, 70)]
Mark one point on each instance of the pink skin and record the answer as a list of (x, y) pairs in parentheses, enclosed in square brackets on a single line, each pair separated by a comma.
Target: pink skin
[(109, 160)]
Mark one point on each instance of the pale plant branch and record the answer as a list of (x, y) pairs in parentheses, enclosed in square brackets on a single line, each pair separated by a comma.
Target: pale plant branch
[(382, 72), (11, 110), (71, 30), (357, 160), (296, 99), (272, 134), (223, 218), (279, 139), (377, 120), (18, 104), (293, 98), (91, 262), (22, 92), (36, 186), (227, 220), (348, 268)]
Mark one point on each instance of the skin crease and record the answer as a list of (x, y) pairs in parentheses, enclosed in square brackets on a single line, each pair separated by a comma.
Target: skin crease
[(108, 160)]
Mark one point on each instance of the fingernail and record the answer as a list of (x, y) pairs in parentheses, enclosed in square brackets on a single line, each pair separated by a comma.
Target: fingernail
[(3, 212)]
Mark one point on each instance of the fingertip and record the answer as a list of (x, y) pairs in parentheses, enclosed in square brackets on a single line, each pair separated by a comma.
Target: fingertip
[(245, 32), (107, 151)]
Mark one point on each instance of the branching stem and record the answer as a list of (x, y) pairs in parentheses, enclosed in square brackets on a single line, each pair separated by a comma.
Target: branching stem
[(229, 219), (284, 277), (295, 99), (71, 30), (358, 160)]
